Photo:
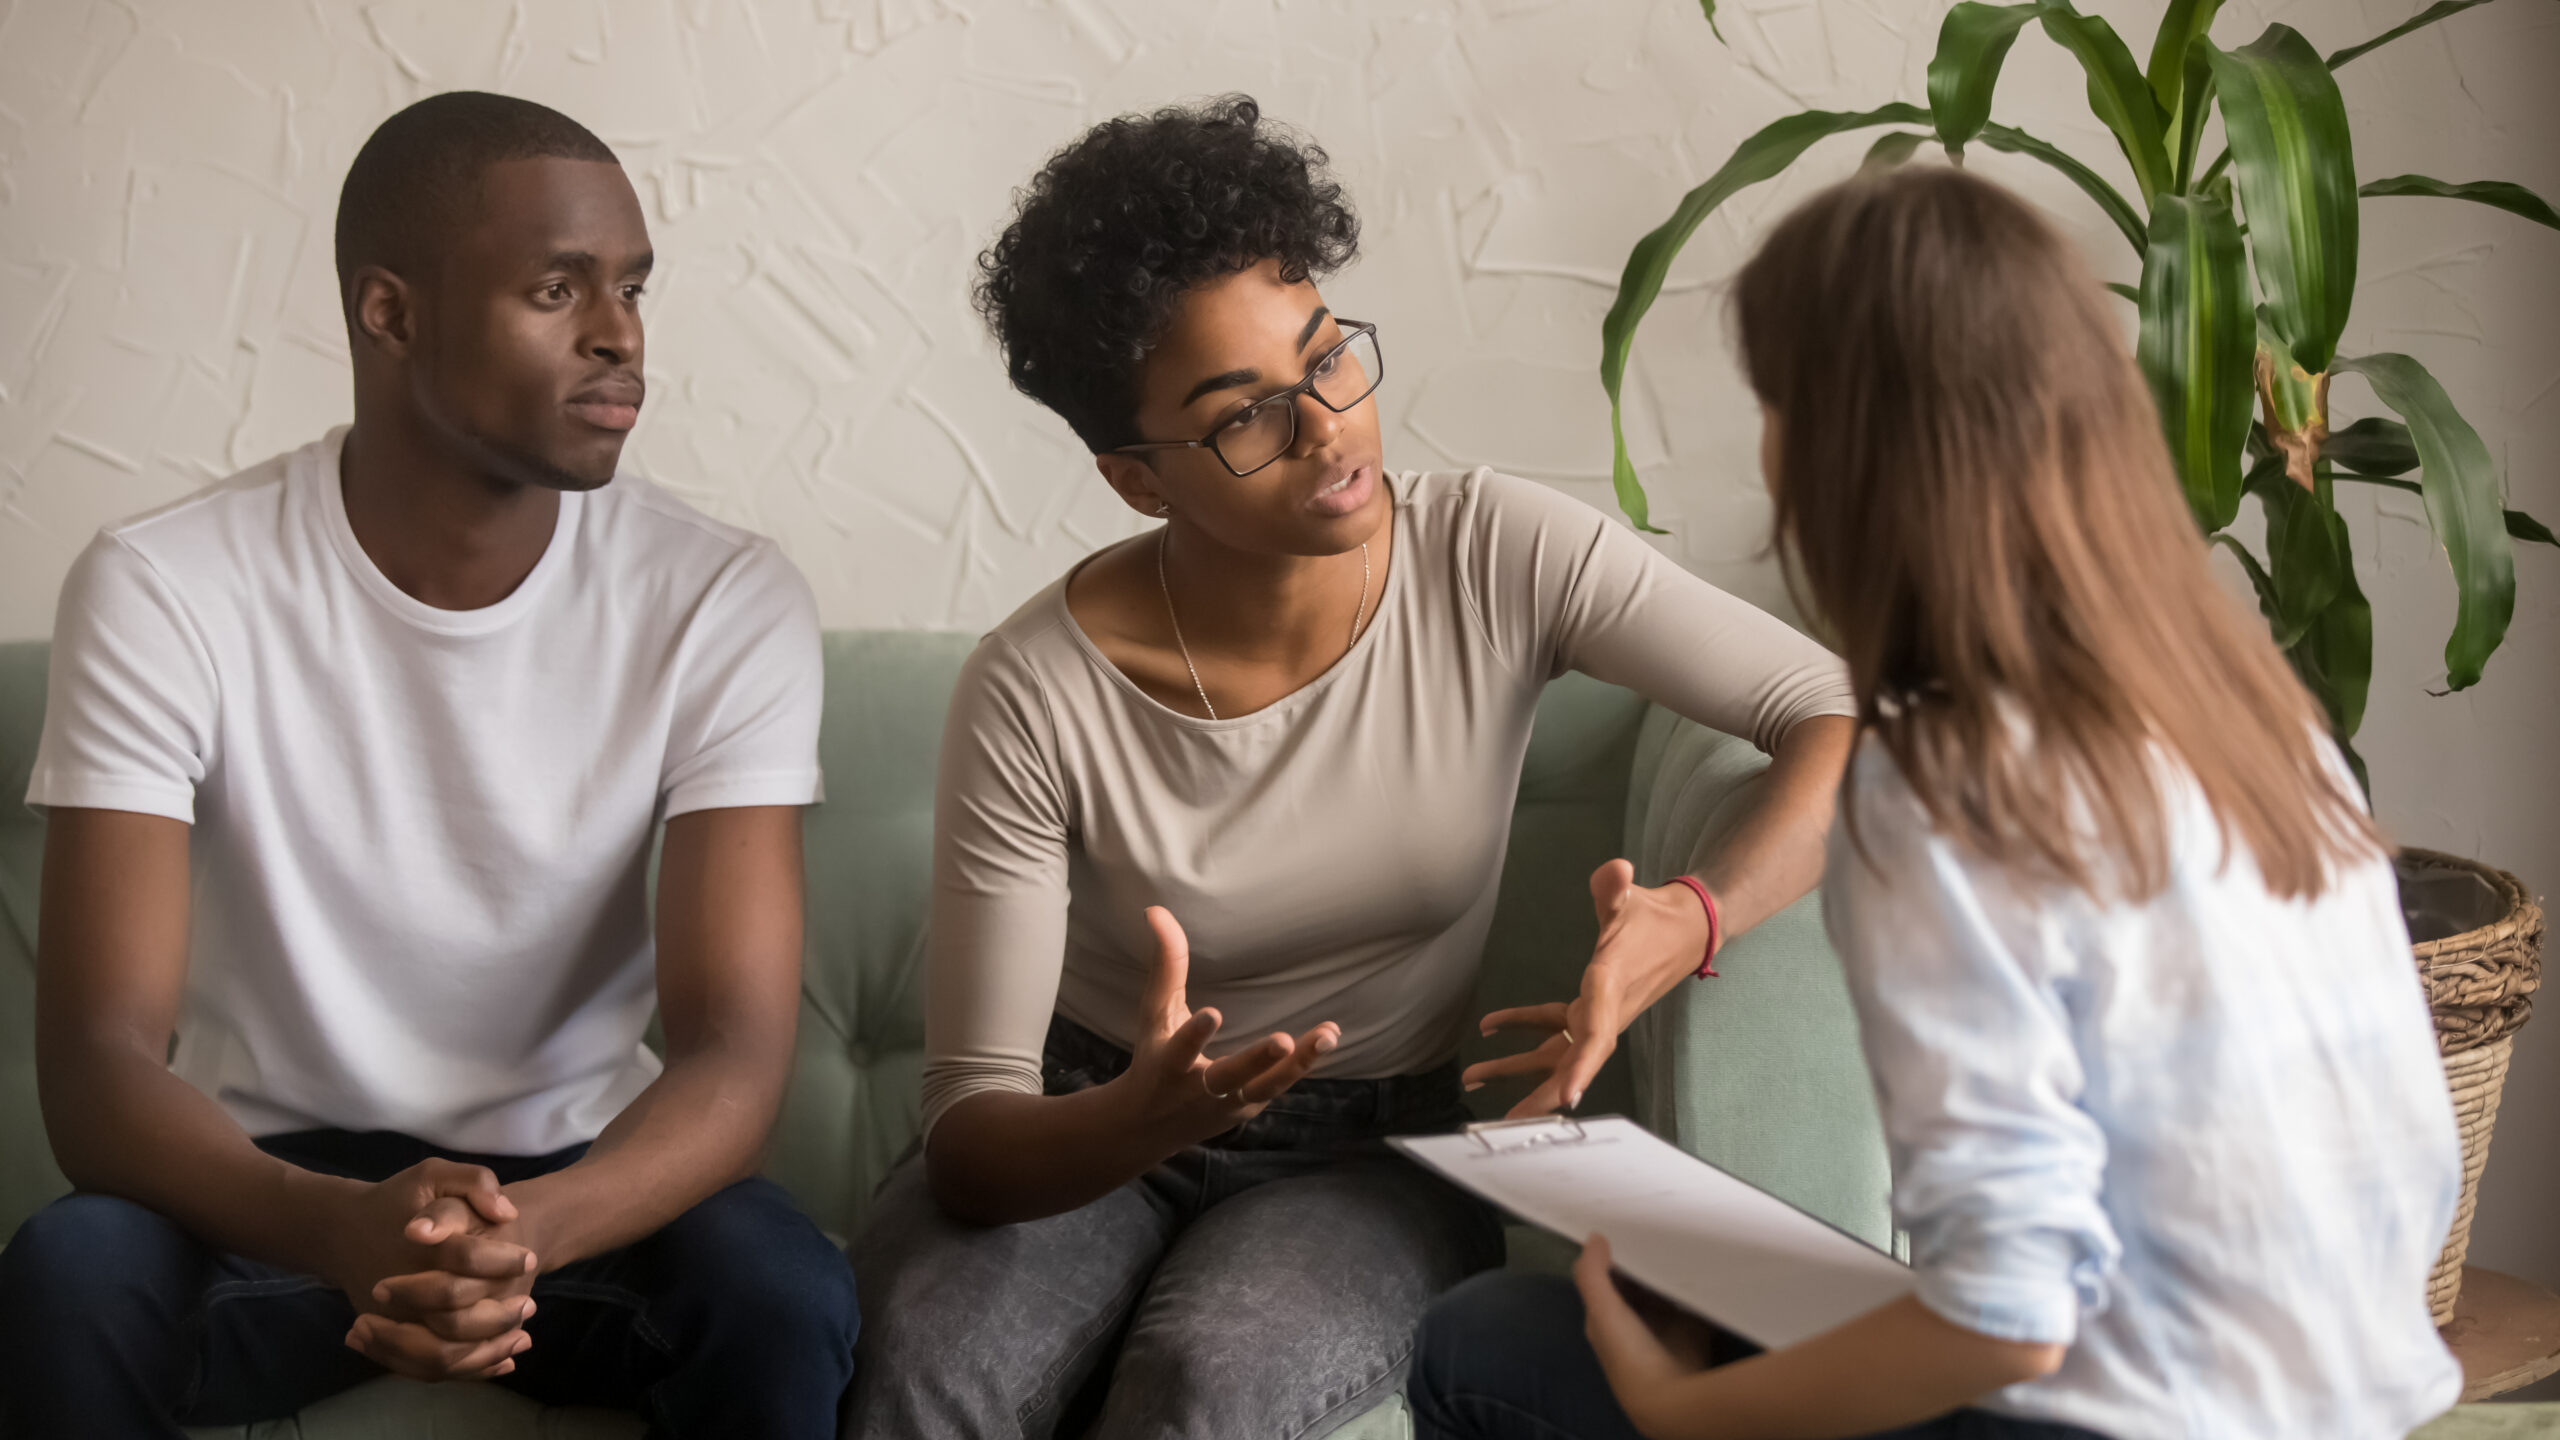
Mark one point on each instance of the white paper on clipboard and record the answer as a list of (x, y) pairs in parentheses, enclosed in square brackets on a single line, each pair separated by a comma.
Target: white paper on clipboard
[(1739, 1256)]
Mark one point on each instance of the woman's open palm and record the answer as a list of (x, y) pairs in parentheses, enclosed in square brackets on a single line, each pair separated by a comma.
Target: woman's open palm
[(1205, 1097)]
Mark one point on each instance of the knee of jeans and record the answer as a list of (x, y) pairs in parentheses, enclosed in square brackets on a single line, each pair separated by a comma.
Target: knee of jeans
[(78, 1259), (781, 1271), (1483, 1320)]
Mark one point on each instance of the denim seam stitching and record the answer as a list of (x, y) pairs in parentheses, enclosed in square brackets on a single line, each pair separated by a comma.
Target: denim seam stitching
[(222, 1290), (1398, 1365)]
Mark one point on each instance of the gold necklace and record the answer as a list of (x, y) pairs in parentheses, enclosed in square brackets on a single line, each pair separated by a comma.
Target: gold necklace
[(1358, 613)]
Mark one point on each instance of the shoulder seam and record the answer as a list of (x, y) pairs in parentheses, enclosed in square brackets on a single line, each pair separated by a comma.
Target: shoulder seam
[(1048, 715), (204, 495), (646, 495), (185, 612), (1466, 491)]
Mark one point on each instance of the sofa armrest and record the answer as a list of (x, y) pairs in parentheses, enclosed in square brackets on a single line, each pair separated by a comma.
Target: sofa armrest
[(1757, 1071)]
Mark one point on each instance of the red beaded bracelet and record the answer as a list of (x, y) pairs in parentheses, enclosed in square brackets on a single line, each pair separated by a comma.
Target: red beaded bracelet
[(1715, 925)]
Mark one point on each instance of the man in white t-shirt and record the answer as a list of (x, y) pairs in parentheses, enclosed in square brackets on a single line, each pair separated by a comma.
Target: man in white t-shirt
[(353, 763)]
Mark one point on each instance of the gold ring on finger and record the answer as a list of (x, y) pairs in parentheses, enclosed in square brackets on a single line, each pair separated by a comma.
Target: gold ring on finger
[(1567, 1034)]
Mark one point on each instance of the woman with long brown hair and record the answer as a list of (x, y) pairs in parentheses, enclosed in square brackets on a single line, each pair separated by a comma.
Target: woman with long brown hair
[(2169, 1135)]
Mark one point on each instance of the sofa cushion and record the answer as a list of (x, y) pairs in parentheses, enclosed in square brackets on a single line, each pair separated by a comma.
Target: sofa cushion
[(28, 1179), (856, 1074), (1759, 1070)]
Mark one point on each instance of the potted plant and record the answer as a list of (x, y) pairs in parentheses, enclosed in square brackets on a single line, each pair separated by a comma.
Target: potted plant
[(2243, 385)]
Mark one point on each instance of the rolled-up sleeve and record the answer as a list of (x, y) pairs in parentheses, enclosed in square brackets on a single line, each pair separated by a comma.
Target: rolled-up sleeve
[(1966, 996), (999, 886), (1559, 586)]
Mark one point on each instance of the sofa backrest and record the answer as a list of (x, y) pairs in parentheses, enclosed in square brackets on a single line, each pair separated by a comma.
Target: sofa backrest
[(853, 1100), (27, 1175)]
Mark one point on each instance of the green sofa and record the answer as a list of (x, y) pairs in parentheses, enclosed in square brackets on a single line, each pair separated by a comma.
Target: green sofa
[(1758, 1071)]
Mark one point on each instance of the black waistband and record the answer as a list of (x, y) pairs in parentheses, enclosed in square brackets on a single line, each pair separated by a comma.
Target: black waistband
[(1394, 1099)]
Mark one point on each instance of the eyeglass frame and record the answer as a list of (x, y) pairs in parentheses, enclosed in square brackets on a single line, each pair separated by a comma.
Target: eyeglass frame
[(1289, 397)]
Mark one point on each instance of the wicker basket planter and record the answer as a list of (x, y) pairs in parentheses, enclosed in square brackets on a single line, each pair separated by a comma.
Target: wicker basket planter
[(2478, 940)]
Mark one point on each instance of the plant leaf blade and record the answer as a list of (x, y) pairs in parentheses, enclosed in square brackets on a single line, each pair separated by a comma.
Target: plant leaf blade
[(2010, 140), (2296, 166), (2303, 554), (1972, 42), (2335, 654), (2118, 95), (1892, 149), (2433, 13), (2464, 507), (1763, 154), (2501, 194), (2520, 526), (2198, 348), (2185, 20), (2372, 447)]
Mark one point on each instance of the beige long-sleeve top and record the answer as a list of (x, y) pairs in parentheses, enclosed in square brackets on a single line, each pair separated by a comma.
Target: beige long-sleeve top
[(1335, 855)]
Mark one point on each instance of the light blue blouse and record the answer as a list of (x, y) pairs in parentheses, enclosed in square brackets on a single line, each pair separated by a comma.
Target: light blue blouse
[(2203, 1139)]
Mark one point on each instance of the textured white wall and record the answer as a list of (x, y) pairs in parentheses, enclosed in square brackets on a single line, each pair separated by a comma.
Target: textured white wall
[(819, 173)]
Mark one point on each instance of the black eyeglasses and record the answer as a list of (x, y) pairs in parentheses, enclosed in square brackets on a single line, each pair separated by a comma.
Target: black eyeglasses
[(1263, 431)]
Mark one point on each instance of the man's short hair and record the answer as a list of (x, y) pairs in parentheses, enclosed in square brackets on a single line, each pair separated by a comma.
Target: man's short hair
[(419, 174)]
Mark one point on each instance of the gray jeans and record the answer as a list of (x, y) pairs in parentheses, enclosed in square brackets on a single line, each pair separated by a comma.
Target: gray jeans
[(1265, 1284)]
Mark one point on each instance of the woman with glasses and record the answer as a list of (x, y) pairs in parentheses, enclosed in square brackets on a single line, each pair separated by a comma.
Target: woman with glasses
[(1221, 820)]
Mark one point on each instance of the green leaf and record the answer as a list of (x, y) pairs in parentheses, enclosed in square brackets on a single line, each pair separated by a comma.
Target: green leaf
[(2372, 446), (2463, 505), (2186, 21), (2117, 93), (2288, 129), (1765, 153), (2199, 348), (2009, 140), (2195, 102), (2524, 527), (1892, 149), (1718, 31), (2308, 593), (2126, 292), (2335, 654), (1972, 42), (2304, 554), (2520, 526), (2502, 194), (2260, 581), (2426, 17)]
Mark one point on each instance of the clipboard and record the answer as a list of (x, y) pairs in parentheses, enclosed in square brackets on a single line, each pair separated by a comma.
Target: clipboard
[(1697, 1235)]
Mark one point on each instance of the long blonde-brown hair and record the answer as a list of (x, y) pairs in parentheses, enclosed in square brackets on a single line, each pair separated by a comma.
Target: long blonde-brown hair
[(1973, 491)]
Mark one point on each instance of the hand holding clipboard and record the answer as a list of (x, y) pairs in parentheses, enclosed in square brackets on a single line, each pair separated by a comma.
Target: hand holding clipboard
[(1692, 1233)]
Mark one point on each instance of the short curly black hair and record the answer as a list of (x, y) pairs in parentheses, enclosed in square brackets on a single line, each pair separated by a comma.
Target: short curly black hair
[(1117, 226)]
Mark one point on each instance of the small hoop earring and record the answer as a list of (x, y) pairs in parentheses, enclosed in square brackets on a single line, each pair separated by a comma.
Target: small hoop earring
[(1164, 507)]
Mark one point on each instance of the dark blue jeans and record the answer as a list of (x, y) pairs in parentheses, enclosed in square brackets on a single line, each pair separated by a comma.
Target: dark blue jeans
[(1503, 1357), (737, 1319)]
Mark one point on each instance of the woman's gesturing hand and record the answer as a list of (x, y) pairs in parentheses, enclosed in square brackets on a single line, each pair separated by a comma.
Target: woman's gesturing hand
[(1179, 1091), (1649, 941)]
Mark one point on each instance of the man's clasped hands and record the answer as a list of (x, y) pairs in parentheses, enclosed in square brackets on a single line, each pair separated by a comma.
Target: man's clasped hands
[(439, 1264)]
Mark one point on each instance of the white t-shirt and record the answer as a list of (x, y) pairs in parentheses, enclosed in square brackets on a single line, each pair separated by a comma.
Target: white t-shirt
[(422, 836)]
